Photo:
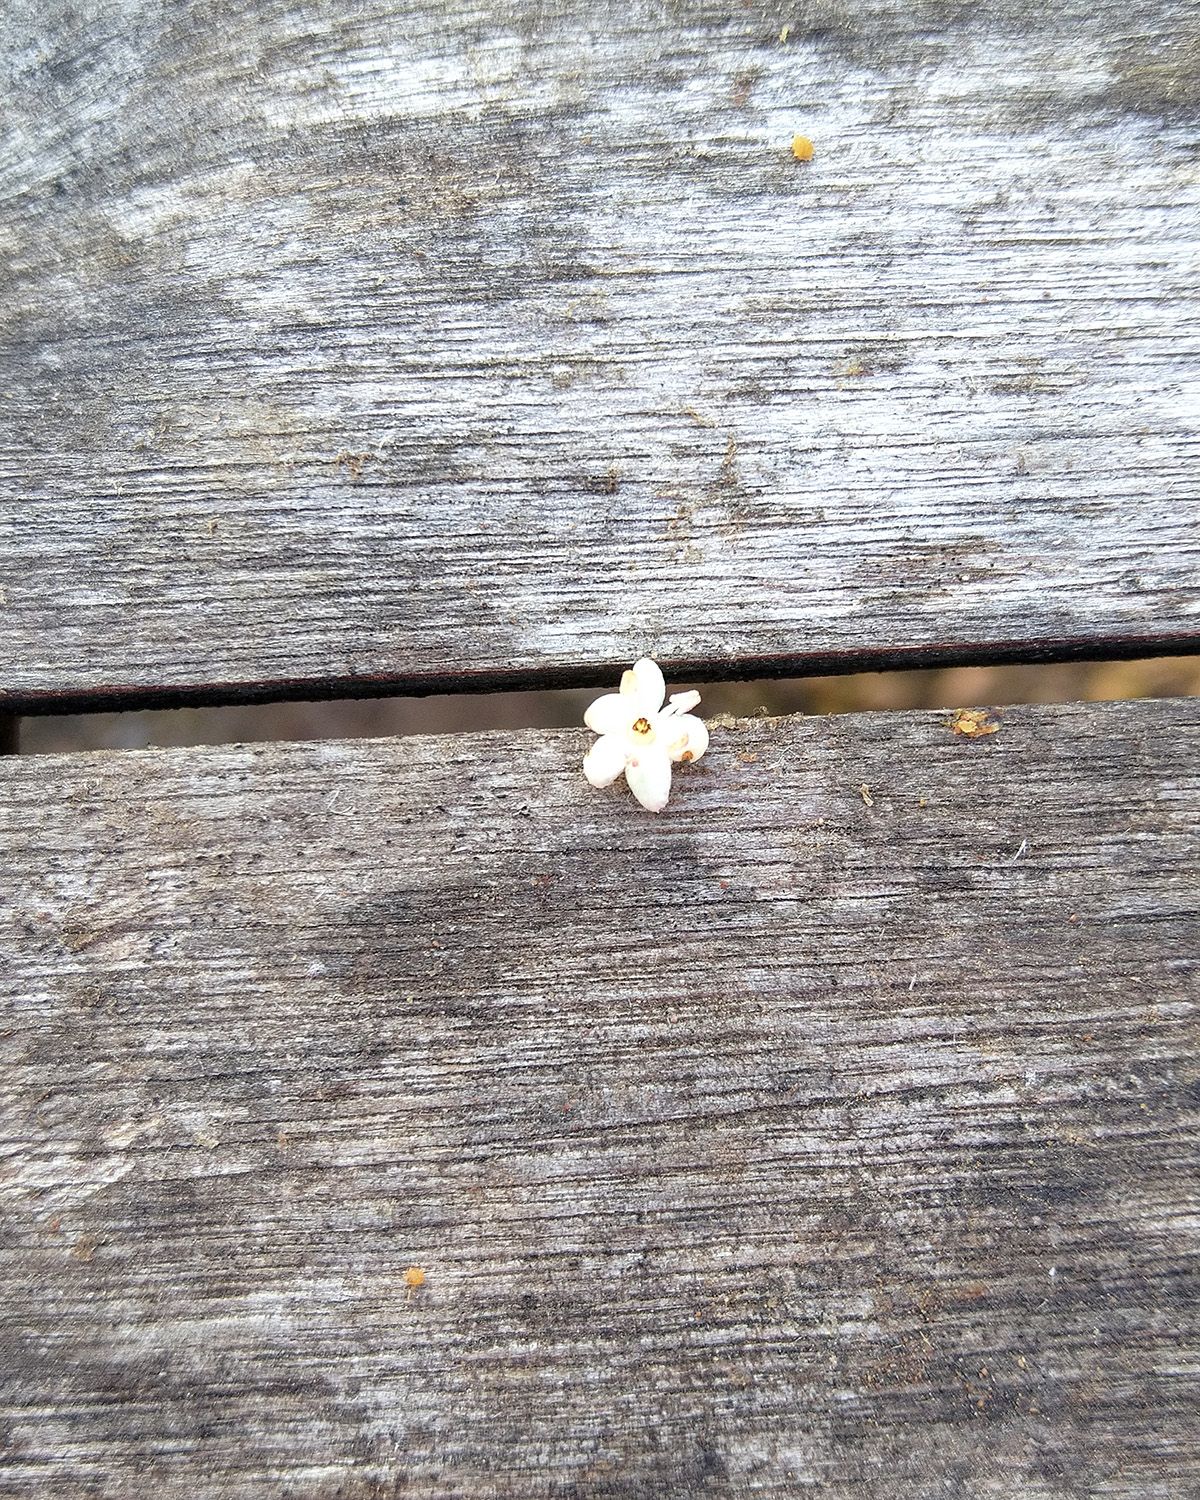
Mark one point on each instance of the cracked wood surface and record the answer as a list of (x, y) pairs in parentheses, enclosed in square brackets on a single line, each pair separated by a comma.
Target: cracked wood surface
[(802, 1138), (354, 347)]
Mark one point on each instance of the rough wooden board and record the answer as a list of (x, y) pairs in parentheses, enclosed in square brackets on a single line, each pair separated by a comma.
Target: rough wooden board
[(347, 346), (781, 1144)]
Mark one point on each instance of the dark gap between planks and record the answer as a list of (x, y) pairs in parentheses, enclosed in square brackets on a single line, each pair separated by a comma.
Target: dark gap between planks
[(350, 718), (127, 697)]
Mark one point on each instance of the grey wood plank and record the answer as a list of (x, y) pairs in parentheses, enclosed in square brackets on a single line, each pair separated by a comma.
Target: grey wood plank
[(788, 1142), (350, 348)]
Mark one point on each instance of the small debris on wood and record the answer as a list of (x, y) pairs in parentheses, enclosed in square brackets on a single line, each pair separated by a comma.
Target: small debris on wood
[(84, 1247), (352, 462), (607, 483), (727, 476), (784, 33), (743, 84), (414, 1279), (802, 148), (973, 723), (682, 519), (864, 792)]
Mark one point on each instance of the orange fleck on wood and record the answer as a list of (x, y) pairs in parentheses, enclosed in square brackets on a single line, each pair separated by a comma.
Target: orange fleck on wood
[(973, 723), (802, 148), (414, 1277)]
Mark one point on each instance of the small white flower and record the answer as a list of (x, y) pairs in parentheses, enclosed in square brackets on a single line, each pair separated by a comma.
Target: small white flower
[(642, 738)]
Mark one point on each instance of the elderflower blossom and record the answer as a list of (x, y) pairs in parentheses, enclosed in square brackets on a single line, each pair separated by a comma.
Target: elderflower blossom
[(641, 738)]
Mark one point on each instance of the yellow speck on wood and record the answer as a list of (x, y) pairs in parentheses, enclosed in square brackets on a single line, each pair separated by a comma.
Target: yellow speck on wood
[(802, 148), (973, 723), (414, 1277), (784, 33), (864, 792)]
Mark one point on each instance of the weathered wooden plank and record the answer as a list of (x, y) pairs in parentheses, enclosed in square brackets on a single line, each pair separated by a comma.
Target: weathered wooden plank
[(353, 347), (790, 1141)]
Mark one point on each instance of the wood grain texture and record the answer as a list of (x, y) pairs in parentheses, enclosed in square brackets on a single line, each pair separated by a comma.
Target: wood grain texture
[(348, 347), (784, 1144)]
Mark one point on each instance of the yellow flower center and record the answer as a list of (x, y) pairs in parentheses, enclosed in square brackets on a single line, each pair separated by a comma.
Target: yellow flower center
[(641, 726)]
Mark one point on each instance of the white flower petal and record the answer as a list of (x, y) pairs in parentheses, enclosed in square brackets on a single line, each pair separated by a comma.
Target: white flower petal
[(605, 761), (687, 737), (683, 703), (611, 714), (651, 687), (649, 776), (628, 683)]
